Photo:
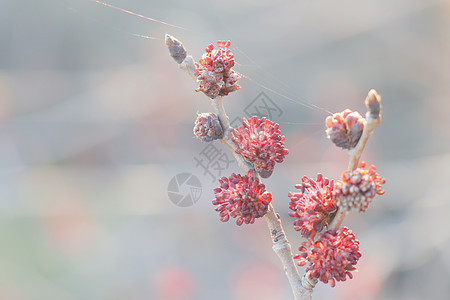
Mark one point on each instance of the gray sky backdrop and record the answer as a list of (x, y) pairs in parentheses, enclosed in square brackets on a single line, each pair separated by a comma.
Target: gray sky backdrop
[(96, 121)]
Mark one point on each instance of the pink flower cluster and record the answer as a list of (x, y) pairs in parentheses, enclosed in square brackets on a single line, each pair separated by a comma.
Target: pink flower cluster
[(216, 76), (260, 142), (332, 257), (358, 188), (345, 128), (207, 127), (313, 206), (241, 197)]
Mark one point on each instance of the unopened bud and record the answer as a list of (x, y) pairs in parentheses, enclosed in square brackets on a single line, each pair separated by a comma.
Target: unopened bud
[(207, 127), (176, 49), (344, 129), (373, 104)]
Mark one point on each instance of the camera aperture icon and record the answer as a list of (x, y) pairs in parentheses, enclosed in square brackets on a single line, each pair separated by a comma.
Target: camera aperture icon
[(184, 189)]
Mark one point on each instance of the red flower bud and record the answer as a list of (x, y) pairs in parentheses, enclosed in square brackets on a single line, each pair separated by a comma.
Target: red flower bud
[(345, 128), (314, 206), (332, 257), (216, 76), (207, 127), (241, 197), (358, 188), (260, 142)]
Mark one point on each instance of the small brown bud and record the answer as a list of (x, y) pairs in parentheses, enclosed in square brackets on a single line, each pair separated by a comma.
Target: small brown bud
[(176, 48), (373, 104)]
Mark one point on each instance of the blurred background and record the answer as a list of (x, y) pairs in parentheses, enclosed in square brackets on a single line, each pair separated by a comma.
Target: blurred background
[(106, 194)]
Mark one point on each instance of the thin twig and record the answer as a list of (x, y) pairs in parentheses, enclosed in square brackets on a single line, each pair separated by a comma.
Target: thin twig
[(281, 246), (219, 109), (301, 287), (373, 119)]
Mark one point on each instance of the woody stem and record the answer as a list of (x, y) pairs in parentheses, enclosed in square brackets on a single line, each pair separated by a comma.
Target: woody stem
[(373, 119), (302, 288)]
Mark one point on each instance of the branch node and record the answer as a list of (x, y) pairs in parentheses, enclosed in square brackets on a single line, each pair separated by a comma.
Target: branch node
[(308, 283)]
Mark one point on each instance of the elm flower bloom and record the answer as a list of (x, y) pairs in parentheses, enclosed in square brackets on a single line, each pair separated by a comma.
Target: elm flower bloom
[(215, 68), (358, 188), (332, 257), (260, 142), (313, 206), (241, 197)]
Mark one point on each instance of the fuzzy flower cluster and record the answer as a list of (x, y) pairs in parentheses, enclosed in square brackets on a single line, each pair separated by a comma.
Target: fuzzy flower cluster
[(241, 197), (260, 142), (313, 206), (345, 128), (215, 74), (332, 257), (207, 127), (358, 188)]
